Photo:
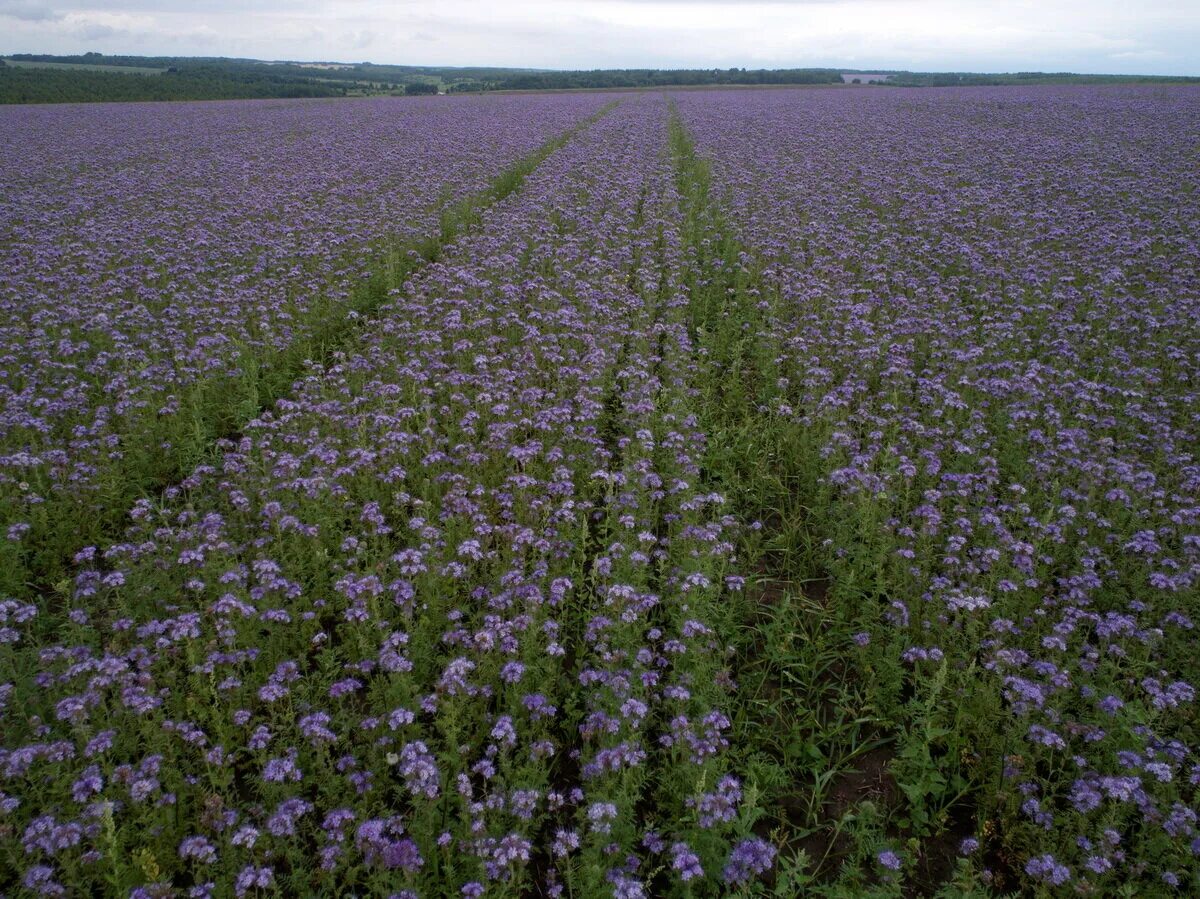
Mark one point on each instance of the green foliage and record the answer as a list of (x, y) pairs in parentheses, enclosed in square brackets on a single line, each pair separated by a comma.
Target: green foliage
[(202, 82), (92, 77)]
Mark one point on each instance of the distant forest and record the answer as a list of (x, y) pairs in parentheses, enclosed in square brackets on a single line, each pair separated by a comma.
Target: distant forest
[(29, 78), (632, 78), (93, 77), (37, 85)]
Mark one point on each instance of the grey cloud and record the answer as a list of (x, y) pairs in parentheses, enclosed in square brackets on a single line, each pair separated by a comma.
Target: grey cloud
[(27, 11)]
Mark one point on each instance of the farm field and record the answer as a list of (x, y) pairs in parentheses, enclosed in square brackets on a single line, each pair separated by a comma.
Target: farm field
[(699, 493), (81, 66)]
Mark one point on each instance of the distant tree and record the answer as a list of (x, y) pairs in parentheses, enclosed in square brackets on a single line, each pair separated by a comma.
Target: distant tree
[(419, 87)]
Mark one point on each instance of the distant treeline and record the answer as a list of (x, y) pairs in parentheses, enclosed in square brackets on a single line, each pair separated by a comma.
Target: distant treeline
[(44, 78), (33, 85), (93, 77), (334, 71), (603, 79)]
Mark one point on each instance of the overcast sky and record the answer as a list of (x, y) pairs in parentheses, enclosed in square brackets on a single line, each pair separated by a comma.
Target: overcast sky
[(1121, 36)]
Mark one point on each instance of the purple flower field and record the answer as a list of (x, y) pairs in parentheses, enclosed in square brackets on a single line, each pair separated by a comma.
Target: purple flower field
[(730, 493), (161, 261), (984, 320)]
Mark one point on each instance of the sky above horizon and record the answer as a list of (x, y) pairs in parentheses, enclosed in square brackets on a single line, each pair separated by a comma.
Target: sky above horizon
[(1102, 36)]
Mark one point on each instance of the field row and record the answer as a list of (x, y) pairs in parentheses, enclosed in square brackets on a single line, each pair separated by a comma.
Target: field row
[(443, 619), (958, 349), (170, 270)]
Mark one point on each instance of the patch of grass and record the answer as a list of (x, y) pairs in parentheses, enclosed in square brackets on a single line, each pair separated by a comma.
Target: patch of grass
[(83, 67)]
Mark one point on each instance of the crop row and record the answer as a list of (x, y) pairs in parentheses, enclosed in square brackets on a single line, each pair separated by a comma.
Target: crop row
[(969, 324), (444, 622)]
